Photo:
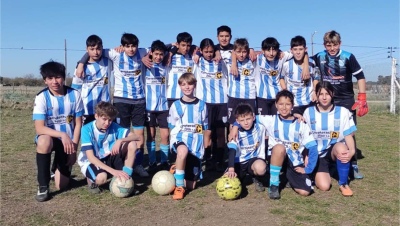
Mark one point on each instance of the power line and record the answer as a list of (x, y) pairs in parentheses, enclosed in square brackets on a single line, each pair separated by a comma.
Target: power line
[(35, 49)]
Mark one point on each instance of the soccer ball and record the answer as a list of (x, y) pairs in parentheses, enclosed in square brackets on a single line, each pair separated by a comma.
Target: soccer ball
[(163, 182), (121, 187), (228, 188)]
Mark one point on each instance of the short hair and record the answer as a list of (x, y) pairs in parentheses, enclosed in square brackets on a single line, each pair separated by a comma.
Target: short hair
[(184, 37), (129, 39), (224, 28), (243, 109), (332, 37), (327, 86), (269, 43), (52, 69), (106, 109), (205, 43), (187, 77), (285, 93), (158, 45), (298, 41), (241, 43), (94, 40)]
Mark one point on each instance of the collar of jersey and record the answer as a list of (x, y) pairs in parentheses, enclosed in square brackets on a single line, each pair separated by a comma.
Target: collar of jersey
[(333, 108), (196, 100)]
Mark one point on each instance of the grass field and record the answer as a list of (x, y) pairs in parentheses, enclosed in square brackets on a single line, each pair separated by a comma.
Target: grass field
[(375, 200)]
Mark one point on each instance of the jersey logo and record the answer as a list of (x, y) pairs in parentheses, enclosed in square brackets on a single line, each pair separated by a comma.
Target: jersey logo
[(218, 75), (105, 80), (257, 145), (273, 72), (295, 146), (199, 128), (189, 69), (69, 119), (246, 72), (334, 135), (162, 80), (137, 72)]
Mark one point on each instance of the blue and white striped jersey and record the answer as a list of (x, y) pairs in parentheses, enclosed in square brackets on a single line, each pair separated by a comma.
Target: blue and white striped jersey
[(94, 87), (187, 121), (243, 86), (100, 143), (180, 64), (58, 112), (250, 143), (301, 90), (294, 135), (329, 128), (211, 81), (267, 75), (156, 88)]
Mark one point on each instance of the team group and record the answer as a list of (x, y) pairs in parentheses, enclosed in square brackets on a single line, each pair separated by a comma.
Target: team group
[(284, 110)]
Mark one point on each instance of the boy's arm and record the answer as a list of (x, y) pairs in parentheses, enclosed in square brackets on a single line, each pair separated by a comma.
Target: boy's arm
[(95, 161), (234, 68), (118, 143), (252, 54), (282, 81), (232, 146), (42, 129), (305, 74)]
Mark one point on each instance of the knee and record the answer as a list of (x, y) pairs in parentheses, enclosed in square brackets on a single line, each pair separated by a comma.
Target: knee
[(302, 192), (259, 168), (279, 149), (324, 186), (101, 179), (132, 147), (44, 144)]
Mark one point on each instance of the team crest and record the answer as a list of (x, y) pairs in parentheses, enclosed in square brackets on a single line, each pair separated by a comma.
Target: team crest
[(273, 72), (199, 128), (334, 135), (246, 72), (257, 145), (295, 146), (162, 80), (105, 80), (137, 72), (218, 75), (189, 69), (69, 119)]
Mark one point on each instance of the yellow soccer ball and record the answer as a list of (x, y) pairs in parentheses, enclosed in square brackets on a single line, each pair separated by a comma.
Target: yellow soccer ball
[(228, 188)]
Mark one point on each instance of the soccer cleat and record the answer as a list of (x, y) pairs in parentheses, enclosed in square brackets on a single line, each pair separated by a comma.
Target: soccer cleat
[(94, 188), (258, 185), (172, 169), (42, 194), (356, 173), (274, 192), (141, 171), (179, 192), (346, 191)]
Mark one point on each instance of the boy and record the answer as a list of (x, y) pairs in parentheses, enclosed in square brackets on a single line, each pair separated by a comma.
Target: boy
[(129, 97), (187, 121), (303, 90), (246, 154), (338, 67), (107, 148), (57, 114), (94, 87), (157, 105)]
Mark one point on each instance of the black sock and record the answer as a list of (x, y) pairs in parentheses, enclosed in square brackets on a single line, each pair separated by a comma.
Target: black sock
[(219, 155), (207, 153), (43, 168)]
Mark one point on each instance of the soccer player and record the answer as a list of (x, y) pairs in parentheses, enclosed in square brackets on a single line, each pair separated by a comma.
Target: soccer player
[(333, 128), (57, 115), (303, 90), (246, 153), (212, 89), (107, 148), (338, 67), (187, 121), (94, 86), (129, 97), (157, 105)]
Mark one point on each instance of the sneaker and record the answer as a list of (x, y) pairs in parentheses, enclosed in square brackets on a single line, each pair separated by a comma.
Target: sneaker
[(356, 173), (42, 194), (179, 192), (288, 185), (141, 171), (164, 166), (172, 169), (94, 188), (258, 185), (52, 175), (274, 192), (346, 191), (153, 167)]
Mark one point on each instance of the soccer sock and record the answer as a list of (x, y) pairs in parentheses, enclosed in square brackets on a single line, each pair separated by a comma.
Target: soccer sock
[(179, 178), (343, 171), (151, 149), (207, 153), (274, 172), (139, 157), (164, 152), (127, 170), (43, 162)]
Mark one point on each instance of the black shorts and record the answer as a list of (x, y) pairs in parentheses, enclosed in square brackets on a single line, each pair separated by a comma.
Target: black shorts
[(131, 113), (60, 158), (157, 118), (217, 115), (324, 162), (88, 118), (266, 107), (113, 161), (193, 164), (298, 180), (243, 168), (170, 102), (347, 103), (233, 103)]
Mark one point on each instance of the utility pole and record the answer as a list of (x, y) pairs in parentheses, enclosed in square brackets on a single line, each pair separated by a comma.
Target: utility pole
[(312, 43), (393, 82)]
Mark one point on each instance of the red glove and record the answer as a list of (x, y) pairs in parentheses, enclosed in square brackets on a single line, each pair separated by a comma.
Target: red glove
[(361, 104)]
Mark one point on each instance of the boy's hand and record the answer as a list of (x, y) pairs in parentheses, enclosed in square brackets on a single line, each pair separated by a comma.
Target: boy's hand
[(146, 61), (344, 156), (299, 117), (195, 59), (234, 70), (217, 57), (116, 147), (313, 97), (252, 55), (121, 174), (69, 146), (71, 159), (119, 49), (281, 55), (230, 173), (300, 169), (233, 134), (79, 71), (305, 73)]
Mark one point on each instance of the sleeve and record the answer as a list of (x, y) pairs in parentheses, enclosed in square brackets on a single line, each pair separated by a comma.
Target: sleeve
[(355, 68), (110, 54), (173, 117), (199, 85), (122, 132), (317, 72), (204, 115), (86, 141), (77, 83), (257, 76), (284, 70), (312, 159), (348, 122), (233, 148), (306, 117), (265, 120), (287, 55), (39, 109), (308, 139), (79, 105), (85, 58)]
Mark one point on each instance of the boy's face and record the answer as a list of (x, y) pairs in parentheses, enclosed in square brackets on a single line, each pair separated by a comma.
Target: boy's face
[(298, 52), (187, 89), (183, 47), (55, 84), (241, 53), (130, 49), (208, 52), (224, 38), (284, 106), (324, 98), (246, 121), (157, 56), (270, 54), (94, 52), (332, 48), (103, 122)]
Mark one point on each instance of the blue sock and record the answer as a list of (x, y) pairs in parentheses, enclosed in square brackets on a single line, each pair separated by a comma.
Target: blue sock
[(343, 171), (274, 171), (139, 157), (128, 170), (179, 178), (164, 152), (151, 149)]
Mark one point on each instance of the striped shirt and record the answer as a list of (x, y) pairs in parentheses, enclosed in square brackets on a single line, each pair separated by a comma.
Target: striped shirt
[(180, 64), (156, 88), (242, 86)]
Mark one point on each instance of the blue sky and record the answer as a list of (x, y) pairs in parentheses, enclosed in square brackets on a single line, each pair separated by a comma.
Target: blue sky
[(40, 27)]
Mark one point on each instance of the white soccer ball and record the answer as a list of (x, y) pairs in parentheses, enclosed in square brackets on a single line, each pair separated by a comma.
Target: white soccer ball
[(121, 187), (163, 182)]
